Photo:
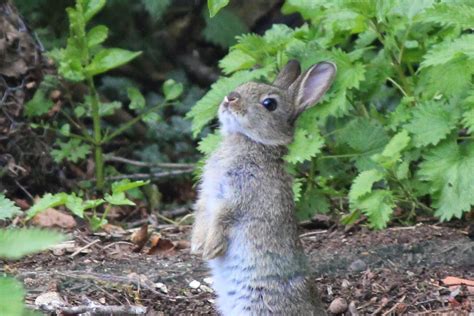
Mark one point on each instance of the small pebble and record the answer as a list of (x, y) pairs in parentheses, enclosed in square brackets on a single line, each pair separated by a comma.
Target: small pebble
[(338, 306), (208, 280), (194, 284), (206, 288), (345, 284), (160, 286), (358, 266)]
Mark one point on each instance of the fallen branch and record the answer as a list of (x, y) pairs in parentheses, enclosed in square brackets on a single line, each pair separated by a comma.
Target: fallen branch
[(96, 309)]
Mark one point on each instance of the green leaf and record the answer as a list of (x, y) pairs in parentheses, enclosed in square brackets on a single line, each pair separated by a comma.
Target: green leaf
[(297, 188), (91, 7), (118, 198), (392, 151), (363, 184), (8, 209), (206, 108), (97, 222), (364, 135), (38, 105), (172, 89), (449, 50), (215, 6), (450, 14), (47, 201), (11, 297), (73, 150), (223, 29), (77, 205), (312, 202), (110, 58), (209, 143), (305, 146), (137, 100), (432, 121), (448, 169), (236, 60), (16, 243), (126, 184), (97, 35), (378, 207)]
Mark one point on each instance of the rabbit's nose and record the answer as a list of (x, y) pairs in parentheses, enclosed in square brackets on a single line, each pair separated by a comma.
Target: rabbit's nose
[(232, 97)]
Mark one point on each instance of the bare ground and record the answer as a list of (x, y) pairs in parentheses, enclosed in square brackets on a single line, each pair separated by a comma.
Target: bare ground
[(392, 272)]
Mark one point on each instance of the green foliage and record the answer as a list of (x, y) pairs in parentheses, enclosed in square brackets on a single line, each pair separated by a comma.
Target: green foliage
[(11, 297), (73, 150), (396, 127), (77, 205), (215, 6), (16, 243), (8, 209), (172, 89), (156, 8), (223, 28)]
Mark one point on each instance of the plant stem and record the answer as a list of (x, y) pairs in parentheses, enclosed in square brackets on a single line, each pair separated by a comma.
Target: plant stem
[(98, 154), (130, 123)]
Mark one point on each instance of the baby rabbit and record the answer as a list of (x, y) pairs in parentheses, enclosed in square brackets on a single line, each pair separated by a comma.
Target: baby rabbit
[(245, 218)]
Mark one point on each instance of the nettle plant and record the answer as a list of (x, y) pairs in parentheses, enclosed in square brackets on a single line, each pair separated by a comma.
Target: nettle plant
[(395, 130), (81, 61), (16, 243)]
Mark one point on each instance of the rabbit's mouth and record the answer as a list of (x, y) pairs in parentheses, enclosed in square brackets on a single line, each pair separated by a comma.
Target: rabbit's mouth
[(229, 121)]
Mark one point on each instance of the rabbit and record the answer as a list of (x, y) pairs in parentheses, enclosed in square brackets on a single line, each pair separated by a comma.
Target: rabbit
[(245, 224)]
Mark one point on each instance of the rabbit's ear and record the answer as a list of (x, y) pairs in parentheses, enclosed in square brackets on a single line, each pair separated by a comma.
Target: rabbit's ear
[(288, 75), (312, 85)]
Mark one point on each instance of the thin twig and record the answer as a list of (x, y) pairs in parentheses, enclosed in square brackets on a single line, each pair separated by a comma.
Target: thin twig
[(155, 175), (394, 306), (83, 248), (313, 233), (149, 164)]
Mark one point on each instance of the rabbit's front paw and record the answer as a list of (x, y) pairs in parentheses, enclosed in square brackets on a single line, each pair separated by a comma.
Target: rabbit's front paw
[(216, 244), (198, 240)]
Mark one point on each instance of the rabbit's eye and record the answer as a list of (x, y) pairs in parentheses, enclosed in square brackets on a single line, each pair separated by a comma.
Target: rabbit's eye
[(270, 104)]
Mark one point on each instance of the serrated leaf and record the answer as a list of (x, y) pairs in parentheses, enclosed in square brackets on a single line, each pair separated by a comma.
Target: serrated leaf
[(110, 58), (432, 121), (305, 146), (296, 188), (77, 205), (118, 198), (137, 100), (364, 135), (448, 168), (449, 50), (378, 207), (97, 35), (72, 150), (206, 108), (8, 209), (363, 184), (312, 202), (126, 184), (215, 6), (11, 297), (47, 201), (16, 243), (172, 89), (450, 14), (392, 151), (236, 60), (209, 143), (38, 105)]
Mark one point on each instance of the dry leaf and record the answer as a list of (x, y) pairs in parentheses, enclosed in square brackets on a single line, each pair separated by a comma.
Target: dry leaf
[(140, 237), (52, 217), (160, 245), (450, 280)]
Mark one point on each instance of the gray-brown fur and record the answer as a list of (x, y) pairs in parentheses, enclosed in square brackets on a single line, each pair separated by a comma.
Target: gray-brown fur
[(245, 222)]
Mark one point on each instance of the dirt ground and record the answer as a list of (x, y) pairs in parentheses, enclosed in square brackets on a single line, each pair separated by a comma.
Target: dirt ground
[(393, 272)]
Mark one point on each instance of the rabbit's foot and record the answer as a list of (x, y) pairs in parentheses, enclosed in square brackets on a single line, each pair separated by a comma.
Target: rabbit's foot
[(198, 240), (215, 246)]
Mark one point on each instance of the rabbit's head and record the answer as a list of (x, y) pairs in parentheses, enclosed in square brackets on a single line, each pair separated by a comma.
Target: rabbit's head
[(266, 113)]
